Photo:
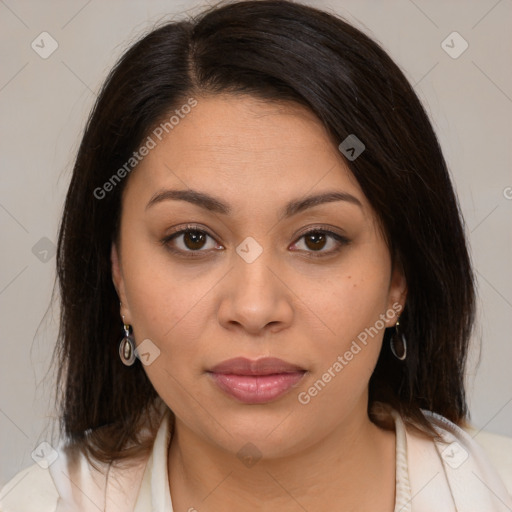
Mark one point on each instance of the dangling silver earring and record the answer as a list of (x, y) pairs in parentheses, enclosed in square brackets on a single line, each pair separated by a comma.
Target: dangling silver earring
[(127, 347), (398, 344)]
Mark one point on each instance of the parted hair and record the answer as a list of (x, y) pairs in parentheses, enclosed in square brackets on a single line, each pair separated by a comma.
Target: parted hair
[(276, 51)]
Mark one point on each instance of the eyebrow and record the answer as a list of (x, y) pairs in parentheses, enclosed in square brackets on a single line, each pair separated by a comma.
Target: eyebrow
[(213, 204)]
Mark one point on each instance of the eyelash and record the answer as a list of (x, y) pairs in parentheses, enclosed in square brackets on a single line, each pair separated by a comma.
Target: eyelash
[(342, 241)]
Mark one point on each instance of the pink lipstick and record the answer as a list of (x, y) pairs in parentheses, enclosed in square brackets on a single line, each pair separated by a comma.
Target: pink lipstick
[(256, 382)]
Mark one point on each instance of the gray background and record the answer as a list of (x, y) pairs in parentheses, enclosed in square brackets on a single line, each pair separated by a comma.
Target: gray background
[(44, 104)]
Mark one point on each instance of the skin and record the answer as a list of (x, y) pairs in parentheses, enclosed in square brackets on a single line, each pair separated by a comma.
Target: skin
[(256, 157)]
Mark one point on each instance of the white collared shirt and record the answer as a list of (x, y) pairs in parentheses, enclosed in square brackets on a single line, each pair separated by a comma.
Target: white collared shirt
[(453, 476)]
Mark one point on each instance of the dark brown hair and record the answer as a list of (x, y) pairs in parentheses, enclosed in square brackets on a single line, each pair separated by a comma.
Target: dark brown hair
[(275, 51)]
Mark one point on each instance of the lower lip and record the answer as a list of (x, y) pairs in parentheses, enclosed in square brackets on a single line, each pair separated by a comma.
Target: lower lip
[(256, 389)]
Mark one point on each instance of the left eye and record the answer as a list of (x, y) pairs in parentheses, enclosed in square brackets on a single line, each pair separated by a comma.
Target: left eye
[(316, 240)]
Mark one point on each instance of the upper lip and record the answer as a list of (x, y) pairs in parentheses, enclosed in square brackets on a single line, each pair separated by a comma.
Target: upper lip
[(263, 366)]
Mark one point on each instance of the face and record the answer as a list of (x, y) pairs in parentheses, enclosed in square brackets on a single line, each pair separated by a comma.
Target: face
[(245, 265)]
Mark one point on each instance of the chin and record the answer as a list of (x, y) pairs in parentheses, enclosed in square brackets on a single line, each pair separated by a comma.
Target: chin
[(267, 435)]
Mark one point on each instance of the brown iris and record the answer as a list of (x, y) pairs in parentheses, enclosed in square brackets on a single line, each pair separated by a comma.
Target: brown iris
[(315, 240), (194, 239)]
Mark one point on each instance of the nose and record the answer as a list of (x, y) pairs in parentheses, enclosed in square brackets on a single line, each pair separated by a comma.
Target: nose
[(255, 296)]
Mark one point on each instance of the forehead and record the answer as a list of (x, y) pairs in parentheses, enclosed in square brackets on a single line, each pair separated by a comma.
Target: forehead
[(241, 127), (241, 145)]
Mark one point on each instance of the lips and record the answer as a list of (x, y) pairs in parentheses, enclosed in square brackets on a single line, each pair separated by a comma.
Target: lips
[(256, 382), (263, 366)]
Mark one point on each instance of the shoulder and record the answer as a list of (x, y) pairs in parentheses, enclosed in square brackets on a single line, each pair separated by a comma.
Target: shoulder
[(65, 479), (68, 481), (498, 449), (487, 448), (475, 466), (30, 490)]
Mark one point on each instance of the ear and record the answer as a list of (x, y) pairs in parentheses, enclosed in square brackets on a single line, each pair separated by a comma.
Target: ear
[(397, 293), (118, 279)]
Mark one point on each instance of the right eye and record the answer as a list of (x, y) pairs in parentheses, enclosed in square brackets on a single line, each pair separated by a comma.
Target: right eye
[(189, 240)]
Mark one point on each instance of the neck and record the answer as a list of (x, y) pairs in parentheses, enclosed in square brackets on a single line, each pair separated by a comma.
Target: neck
[(353, 468)]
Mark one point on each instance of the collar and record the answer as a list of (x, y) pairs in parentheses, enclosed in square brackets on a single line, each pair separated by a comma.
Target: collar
[(426, 474), (154, 492)]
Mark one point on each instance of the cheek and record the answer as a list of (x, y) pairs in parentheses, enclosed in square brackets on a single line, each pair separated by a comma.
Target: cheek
[(356, 297), (352, 310), (166, 309), (170, 311), (166, 303), (345, 361)]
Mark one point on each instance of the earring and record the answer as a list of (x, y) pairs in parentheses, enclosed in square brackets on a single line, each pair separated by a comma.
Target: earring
[(127, 347), (398, 344)]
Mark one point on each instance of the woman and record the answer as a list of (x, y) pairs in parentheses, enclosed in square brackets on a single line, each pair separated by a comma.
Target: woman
[(266, 290)]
